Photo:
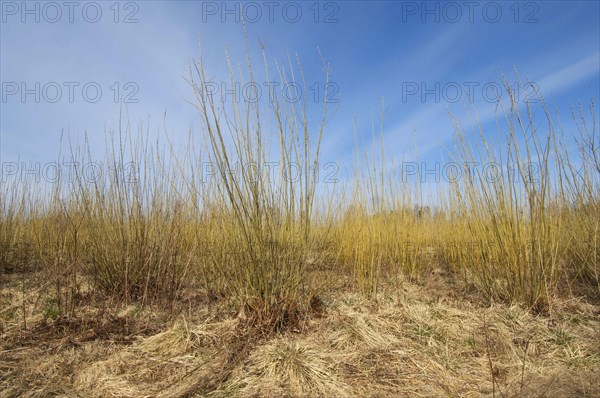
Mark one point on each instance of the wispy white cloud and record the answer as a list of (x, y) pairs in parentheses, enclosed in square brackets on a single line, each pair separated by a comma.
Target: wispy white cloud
[(570, 75)]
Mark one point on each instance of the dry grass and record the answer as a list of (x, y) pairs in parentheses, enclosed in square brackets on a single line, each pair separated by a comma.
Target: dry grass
[(407, 344)]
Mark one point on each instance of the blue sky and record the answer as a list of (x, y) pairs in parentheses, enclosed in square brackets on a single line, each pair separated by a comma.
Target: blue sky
[(377, 49)]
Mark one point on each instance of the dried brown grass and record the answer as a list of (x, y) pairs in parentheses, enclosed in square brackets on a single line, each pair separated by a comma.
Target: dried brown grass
[(410, 343)]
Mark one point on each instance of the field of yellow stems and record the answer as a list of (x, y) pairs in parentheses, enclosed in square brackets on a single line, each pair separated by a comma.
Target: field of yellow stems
[(171, 267)]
